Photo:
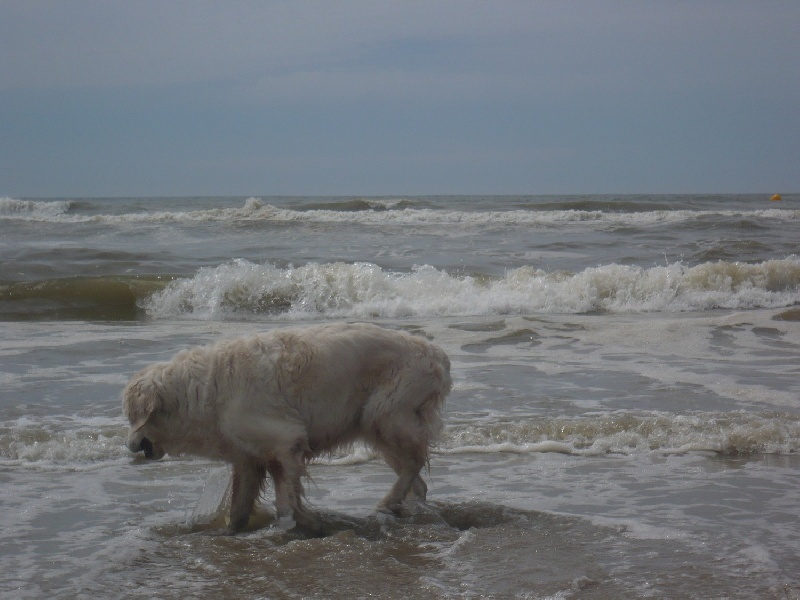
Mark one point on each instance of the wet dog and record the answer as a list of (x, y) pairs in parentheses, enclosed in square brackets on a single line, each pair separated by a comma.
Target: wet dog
[(269, 403)]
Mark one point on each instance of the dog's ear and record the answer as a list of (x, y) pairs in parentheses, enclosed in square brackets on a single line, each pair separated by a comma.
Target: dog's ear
[(141, 399)]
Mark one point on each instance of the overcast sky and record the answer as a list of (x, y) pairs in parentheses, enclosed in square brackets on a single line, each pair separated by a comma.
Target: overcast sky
[(153, 98)]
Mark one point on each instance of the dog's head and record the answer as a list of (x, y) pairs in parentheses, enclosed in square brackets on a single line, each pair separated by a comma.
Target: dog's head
[(142, 401)]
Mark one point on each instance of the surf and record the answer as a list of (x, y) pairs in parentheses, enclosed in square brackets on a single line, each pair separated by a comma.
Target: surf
[(241, 289)]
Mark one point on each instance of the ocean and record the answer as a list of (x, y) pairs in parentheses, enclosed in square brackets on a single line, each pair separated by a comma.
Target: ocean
[(624, 423)]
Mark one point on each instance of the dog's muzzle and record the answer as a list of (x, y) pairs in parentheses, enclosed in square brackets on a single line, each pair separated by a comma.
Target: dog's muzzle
[(151, 451)]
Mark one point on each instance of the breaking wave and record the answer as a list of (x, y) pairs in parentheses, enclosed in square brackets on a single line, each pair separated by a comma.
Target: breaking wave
[(241, 289)]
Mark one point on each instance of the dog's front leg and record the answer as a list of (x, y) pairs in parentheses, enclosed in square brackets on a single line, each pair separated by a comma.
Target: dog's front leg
[(286, 471), (248, 478)]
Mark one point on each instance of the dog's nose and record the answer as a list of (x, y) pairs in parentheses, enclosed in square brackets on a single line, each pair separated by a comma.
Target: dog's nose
[(147, 446)]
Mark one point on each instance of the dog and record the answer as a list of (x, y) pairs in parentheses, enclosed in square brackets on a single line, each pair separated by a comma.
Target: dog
[(271, 402)]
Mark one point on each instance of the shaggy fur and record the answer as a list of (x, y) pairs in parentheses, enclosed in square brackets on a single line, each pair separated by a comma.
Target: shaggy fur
[(271, 402)]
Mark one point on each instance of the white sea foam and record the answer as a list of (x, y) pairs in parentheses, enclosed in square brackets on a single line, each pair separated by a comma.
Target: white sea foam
[(51, 445), (630, 433), (244, 290)]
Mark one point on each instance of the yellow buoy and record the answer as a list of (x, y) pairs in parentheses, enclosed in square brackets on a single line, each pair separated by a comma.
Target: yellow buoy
[(775, 197)]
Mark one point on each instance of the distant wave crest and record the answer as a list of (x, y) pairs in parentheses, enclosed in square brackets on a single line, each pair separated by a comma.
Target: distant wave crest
[(377, 212), (400, 213), (34, 209)]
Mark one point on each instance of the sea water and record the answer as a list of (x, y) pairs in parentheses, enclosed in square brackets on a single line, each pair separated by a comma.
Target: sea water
[(624, 423)]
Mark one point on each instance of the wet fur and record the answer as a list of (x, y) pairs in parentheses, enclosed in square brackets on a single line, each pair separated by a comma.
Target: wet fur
[(269, 403)]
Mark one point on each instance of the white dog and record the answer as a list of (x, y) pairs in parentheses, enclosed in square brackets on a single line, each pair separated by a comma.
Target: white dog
[(271, 402)]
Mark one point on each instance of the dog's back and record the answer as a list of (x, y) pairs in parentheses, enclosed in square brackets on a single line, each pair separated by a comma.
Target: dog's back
[(350, 381)]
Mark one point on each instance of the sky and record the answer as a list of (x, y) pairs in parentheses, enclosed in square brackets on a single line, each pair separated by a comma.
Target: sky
[(376, 98)]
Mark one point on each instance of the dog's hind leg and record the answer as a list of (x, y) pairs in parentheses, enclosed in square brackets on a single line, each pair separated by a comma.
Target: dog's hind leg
[(403, 437), (408, 480), (418, 489), (248, 479), (401, 420)]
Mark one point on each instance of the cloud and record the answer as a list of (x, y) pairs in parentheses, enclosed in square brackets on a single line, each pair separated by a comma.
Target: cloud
[(441, 49), (142, 43)]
